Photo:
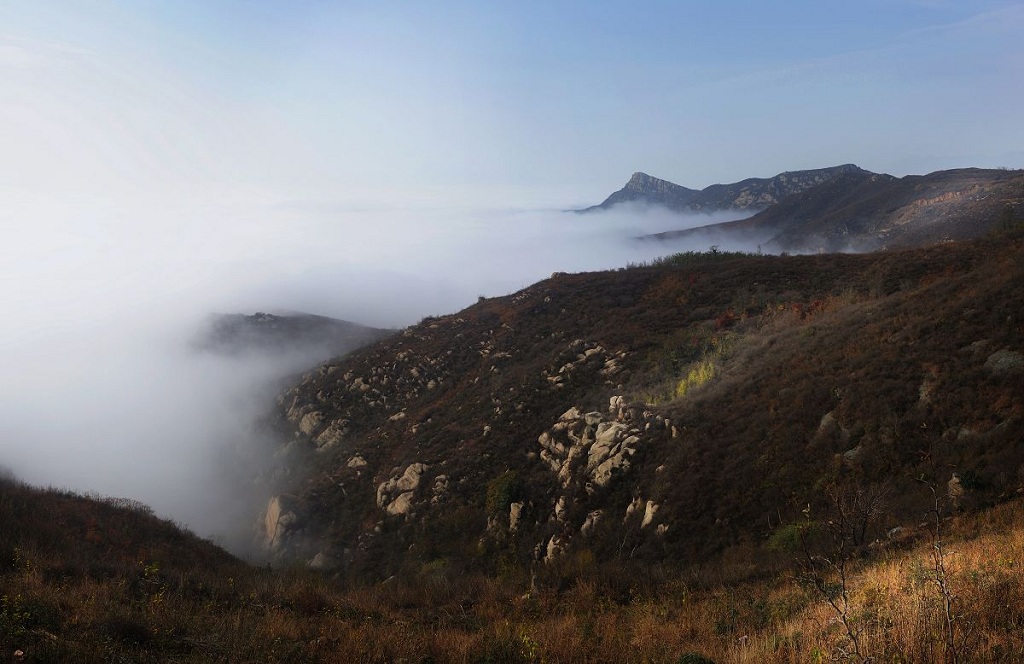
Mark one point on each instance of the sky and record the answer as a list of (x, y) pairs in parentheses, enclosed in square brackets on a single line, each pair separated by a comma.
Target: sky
[(384, 161), (514, 103)]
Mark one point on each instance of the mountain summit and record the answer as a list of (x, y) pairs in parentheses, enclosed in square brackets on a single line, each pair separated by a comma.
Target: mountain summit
[(750, 194), (651, 190), (861, 211)]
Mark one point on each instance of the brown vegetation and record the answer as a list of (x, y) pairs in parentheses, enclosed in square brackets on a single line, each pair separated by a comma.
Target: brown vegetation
[(139, 589)]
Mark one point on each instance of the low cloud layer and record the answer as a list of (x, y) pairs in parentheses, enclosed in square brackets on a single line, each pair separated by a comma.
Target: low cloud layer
[(102, 391)]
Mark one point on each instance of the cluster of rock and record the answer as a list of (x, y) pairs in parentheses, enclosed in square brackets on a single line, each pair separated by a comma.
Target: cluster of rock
[(583, 352), (595, 450), (395, 496), (352, 408), (386, 386)]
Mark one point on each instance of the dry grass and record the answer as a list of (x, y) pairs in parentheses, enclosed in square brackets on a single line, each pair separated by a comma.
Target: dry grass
[(173, 608)]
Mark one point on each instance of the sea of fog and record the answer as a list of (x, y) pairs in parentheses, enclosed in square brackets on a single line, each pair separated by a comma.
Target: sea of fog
[(100, 390)]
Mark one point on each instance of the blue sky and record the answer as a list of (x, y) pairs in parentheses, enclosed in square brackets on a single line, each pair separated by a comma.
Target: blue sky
[(543, 101)]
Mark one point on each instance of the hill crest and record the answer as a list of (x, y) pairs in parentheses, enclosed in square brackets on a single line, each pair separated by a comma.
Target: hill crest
[(750, 194)]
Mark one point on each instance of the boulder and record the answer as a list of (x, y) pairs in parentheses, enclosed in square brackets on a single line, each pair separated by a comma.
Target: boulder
[(1004, 362), (410, 479), (633, 507), (565, 472), (554, 549), (593, 518), (332, 435), (310, 422), (649, 513), (400, 505), (610, 453), (321, 561), (439, 489), (570, 415), (515, 512), (560, 509), (407, 482)]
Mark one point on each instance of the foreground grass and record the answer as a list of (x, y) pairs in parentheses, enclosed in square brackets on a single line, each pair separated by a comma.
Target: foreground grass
[(84, 580)]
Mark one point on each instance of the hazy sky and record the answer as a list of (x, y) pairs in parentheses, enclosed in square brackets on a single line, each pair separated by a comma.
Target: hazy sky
[(382, 161), (509, 103)]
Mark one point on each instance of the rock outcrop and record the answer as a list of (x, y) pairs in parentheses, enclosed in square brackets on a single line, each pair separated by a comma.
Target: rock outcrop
[(280, 522), (585, 447), (395, 496)]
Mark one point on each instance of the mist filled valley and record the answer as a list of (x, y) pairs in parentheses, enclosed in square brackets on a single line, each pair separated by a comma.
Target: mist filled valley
[(105, 390), (528, 333)]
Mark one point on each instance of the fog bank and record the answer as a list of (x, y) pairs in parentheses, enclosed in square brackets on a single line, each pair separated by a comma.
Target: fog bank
[(101, 390)]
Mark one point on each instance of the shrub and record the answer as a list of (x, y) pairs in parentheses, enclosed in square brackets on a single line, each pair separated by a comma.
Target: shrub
[(501, 492)]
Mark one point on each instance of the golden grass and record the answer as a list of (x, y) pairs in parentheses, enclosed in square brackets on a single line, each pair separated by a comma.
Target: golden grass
[(896, 610), (168, 608)]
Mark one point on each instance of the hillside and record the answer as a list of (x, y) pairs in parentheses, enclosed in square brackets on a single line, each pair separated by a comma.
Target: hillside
[(719, 457), (747, 195), (263, 333), (667, 414), (860, 211), (93, 579)]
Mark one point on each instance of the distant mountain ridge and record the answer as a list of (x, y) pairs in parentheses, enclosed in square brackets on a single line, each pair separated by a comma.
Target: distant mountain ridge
[(861, 211), (264, 333), (747, 195)]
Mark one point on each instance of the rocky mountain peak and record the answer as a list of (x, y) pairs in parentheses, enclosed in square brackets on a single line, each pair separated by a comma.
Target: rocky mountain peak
[(647, 183), (752, 194)]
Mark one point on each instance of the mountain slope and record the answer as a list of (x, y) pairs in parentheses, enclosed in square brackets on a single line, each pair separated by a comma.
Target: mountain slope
[(598, 413), (861, 211), (750, 194), (644, 188)]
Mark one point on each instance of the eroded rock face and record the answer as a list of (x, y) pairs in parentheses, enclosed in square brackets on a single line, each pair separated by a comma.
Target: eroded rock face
[(280, 521), (610, 452)]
